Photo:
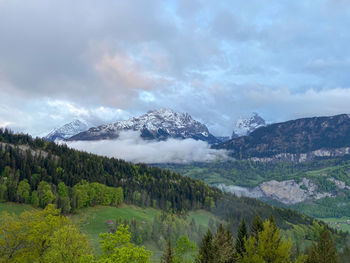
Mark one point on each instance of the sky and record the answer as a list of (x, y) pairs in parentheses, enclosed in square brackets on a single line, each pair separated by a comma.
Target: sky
[(217, 60)]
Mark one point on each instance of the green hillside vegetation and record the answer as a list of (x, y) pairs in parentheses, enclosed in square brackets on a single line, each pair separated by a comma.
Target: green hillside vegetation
[(37, 172), (45, 235), (251, 174), (41, 172)]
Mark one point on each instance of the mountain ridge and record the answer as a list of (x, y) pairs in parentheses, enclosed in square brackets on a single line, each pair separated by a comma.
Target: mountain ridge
[(294, 140), (68, 130), (154, 125)]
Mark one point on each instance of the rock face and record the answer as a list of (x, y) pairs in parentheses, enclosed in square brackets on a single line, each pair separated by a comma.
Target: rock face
[(296, 140), (288, 192), (156, 124), (291, 192), (245, 126), (68, 130)]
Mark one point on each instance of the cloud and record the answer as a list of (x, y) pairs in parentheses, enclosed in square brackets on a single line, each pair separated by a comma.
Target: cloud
[(131, 147), (214, 60)]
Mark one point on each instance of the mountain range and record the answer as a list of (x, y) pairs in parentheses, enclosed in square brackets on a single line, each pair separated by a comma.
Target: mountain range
[(296, 140), (154, 125)]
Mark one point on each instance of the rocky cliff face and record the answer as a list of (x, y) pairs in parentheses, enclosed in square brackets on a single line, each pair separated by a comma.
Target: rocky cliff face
[(154, 125), (288, 192), (296, 140)]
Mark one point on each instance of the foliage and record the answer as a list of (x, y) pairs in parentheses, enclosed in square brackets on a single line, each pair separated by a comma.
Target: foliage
[(168, 255), (36, 160), (206, 249), (242, 236), (43, 236), (268, 247), (185, 250), (224, 250), (324, 251), (117, 247)]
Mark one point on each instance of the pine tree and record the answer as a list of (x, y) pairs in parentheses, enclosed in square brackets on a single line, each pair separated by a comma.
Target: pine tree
[(324, 251), (168, 255), (224, 250), (268, 247), (256, 226), (242, 236), (206, 251)]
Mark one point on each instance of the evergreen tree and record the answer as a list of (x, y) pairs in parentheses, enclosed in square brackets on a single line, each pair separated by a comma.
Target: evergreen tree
[(168, 255), (256, 226), (224, 251), (206, 251), (242, 236), (324, 251), (268, 247)]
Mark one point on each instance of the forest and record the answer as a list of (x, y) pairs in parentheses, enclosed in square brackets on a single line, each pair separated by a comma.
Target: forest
[(48, 236)]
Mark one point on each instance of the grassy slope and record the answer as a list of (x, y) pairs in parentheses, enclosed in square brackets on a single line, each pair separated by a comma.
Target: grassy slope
[(92, 220), (14, 208)]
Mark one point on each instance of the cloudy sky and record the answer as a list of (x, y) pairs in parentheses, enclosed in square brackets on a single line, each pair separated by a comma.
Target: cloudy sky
[(106, 60)]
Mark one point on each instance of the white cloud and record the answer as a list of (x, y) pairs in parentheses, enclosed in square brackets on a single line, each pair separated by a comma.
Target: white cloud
[(131, 147)]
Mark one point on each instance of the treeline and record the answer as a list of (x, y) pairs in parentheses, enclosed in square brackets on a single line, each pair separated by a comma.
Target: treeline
[(47, 236), (68, 199), (46, 161), (260, 243)]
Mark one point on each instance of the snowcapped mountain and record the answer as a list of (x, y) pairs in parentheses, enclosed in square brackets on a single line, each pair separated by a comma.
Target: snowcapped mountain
[(155, 124), (244, 126), (68, 130)]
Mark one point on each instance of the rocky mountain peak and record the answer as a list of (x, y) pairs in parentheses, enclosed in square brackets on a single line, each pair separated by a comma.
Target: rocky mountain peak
[(244, 126), (158, 124), (68, 130)]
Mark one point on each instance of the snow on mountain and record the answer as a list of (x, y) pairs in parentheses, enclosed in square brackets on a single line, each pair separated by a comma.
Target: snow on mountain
[(244, 126), (68, 130), (155, 124)]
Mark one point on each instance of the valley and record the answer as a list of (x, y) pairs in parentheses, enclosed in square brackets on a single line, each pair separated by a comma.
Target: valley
[(319, 188)]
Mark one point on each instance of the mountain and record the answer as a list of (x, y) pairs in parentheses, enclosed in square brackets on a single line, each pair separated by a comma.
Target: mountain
[(156, 124), (223, 138), (141, 184), (68, 130), (245, 126), (296, 140)]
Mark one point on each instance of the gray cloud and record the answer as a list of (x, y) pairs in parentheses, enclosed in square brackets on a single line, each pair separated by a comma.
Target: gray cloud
[(131, 147), (215, 60)]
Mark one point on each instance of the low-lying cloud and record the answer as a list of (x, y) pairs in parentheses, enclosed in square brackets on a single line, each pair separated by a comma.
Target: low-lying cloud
[(131, 147)]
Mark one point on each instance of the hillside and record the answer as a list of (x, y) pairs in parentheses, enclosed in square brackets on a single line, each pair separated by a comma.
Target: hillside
[(83, 175), (156, 203), (296, 140), (319, 188)]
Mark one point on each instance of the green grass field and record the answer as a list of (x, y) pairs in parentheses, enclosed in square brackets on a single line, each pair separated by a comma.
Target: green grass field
[(92, 220), (14, 208)]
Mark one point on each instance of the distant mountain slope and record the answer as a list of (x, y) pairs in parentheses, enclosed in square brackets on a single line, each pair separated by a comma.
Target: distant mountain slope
[(245, 126), (295, 140), (68, 130), (156, 124), (142, 185)]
